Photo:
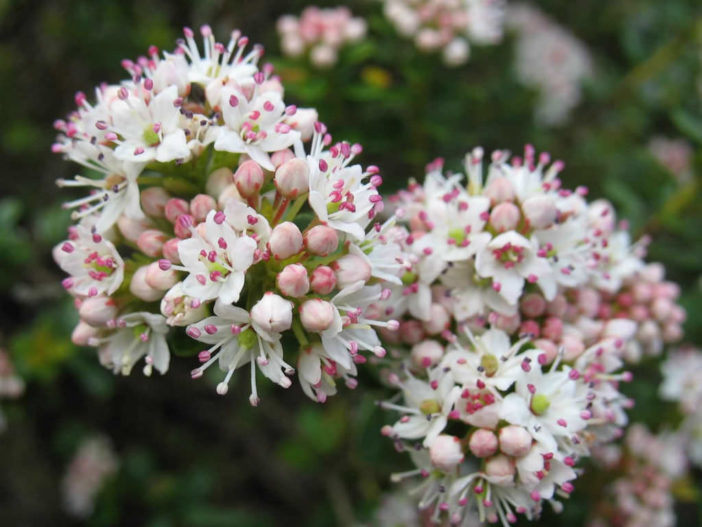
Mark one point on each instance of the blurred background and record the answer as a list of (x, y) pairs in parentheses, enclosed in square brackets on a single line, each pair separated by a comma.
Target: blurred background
[(172, 451)]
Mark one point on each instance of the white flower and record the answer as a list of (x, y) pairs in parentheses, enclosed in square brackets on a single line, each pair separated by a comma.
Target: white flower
[(93, 262), (427, 405), (217, 264), (116, 194), (148, 129), (549, 405), (317, 371), (137, 335), (236, 341), (338, 194), (509, 259), (254, 127)]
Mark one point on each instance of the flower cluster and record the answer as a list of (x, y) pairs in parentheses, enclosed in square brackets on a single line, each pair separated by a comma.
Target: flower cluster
[(213, 215), (681, 383), (92, 464), (520, 301), (642, 495), (11, 385), (322, 32), (448, 25), (550, 60), (675, 155)]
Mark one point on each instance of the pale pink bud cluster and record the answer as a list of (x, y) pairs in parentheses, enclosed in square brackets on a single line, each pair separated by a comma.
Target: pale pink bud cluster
[(322, 32)]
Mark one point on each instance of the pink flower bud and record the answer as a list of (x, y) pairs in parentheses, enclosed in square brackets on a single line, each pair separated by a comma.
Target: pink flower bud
[(153, 201), (558, 306), (445, 452), (620, 328), (540, 211), (175, 207), (509, 324), (588, 302), (141, 289), (483, 443), (218, 180), (292, 281), (272, 314), (533, 305), (228, 193), (151, 241), (323, 280), (159, 279), (530, 327), (350, 269), (292, 178), (648, 332), (97, 310), (439, 319), (281, 156), (82, 333), (661, 308), (249, 178), (552, 328), (548, 347), (131, 229), (505, 217), (499, 189), (183, 225), (653, 272), (412, 331), (572, 347), (642, 292), (285, 240), (316, 315), (427, 353), (515, 441), (500, 469), (321, 240), (170, 250), (672, 332), (201, 205)]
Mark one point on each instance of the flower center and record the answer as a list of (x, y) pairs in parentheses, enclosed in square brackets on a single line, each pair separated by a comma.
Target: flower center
[(490, 364), (509, 255), (430, 406), (539, 404)]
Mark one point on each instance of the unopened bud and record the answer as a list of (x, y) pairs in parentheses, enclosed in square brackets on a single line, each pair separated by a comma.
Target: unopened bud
[(505, 217), (321, 240), (445, 452), (151, 241), (218, 180), (316, 315), (201, 205), (249, 178), (439, 319), (83, 333), (160, 279), (131, 229), (140, 288), (533, 305), (175, 207), (153, 201), (483, 443), (350, 269), (499, 189), (500, 469), (515, 441), (323, 280), (540, 211), (292, 178), (97, 310), (272, 314), (285, 240), (281, 156), (293, 281), (170, 250), (427, 353)]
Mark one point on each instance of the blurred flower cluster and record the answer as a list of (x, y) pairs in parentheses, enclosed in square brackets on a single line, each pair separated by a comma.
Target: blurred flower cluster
[(321, 32), (549, 59), (211, 214), (448, 25), (11, 385)]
